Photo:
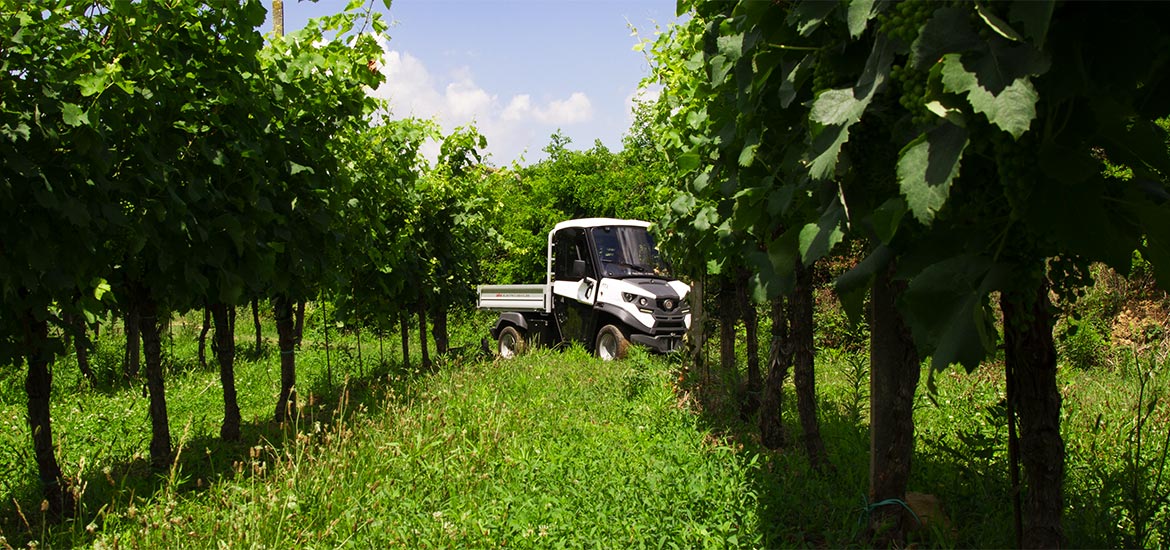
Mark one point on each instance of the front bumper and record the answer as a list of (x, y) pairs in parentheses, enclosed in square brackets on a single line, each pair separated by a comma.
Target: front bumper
[(663, 343)]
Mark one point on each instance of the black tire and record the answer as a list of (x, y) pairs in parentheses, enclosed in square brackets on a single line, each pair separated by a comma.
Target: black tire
[(611, 343), (510, 344)]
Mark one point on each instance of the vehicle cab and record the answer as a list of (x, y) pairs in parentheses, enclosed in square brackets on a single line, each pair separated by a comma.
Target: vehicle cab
[(610, 286)]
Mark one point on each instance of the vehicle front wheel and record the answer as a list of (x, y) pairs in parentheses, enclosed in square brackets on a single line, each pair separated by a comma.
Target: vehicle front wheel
[(511, 343), (611, 343)]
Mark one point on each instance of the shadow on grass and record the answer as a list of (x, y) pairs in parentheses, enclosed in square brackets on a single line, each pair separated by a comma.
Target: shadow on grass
[(964, 464), (801, 507), (798, 506), (202, 461)]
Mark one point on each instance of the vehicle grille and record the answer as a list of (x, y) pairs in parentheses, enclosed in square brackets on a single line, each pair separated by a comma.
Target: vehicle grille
[(670, 323)]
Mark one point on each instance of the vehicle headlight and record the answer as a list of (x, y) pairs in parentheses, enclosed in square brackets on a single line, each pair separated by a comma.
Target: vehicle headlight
[(643, 302), (628, 297)]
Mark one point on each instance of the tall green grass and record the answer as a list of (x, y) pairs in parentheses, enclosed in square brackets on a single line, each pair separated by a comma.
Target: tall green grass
[(552, 449)]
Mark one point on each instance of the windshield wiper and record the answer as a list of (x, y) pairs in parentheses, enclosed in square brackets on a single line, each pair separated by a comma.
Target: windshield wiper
[(643, 269)]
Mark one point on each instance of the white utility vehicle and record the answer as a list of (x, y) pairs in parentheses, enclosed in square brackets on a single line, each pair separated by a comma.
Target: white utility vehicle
[(605, 286)]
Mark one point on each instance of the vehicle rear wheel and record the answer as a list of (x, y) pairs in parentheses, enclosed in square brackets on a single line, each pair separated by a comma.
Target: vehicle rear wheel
[(511, 343), (611, 343)]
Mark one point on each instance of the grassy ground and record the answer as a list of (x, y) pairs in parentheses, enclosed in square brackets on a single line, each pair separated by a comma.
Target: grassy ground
[(551, 449)]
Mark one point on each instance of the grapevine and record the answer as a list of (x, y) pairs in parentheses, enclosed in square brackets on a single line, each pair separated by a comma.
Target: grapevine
[(906, 19), (1016, 163)]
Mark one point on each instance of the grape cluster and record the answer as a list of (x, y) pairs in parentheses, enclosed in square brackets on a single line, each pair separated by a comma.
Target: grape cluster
[(913, 97), (1017, 167), (823, 77), (905, 19)]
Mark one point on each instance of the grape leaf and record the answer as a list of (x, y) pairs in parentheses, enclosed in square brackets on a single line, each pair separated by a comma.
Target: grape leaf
[(997, 84), (886, 218), (947, 31), (1033, 17), (946, 308), (809, 15), (74, 115), (860, 12), (818, 239), (927, 166)]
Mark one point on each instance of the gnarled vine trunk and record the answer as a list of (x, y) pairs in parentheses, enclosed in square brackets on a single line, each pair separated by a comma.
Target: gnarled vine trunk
[(131, 361), (286, 402), (439, 329), (151, 327), (772, 432), (697, 333), (800, 322), (203, 330), (894, 371), (1031, 360), (225, 353), (727, 318), (81, 346), (38, 386), (751, 327)]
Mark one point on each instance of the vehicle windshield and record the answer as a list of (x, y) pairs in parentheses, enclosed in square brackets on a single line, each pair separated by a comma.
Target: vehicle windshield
[(627, 251)]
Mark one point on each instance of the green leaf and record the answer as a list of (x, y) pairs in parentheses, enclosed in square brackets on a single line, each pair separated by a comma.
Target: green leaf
[(93, 83), (100, 288), (74, 115), (720, 68), (706, 218), (860, 12), (887, 217), (818, 239), (731, 47), (298, 168), (998, 25), (748, 154), (1034, 16), (687, 162), (701, 181), (837, 107), (947, 310), (21, 131), (683, 203), (997, 84), (926, 168), (784, 252), (789, 84), (827, 144), (809, 14), (949, 30)]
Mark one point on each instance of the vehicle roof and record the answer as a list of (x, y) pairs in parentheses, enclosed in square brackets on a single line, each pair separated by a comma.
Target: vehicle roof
[(599, 222)]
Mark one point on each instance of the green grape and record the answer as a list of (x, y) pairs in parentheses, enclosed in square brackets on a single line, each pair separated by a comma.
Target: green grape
[(905, 20)]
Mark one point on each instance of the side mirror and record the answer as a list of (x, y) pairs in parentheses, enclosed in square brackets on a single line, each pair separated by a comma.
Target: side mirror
[(578, 269)]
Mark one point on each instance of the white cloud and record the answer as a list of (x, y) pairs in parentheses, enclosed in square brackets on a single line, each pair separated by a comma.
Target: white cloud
[(408, 86), (519, 108), (464, 100), (455, 100), (577, 108)]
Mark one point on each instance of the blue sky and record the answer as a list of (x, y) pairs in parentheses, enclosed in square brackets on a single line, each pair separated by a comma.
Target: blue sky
[(520, 69)]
